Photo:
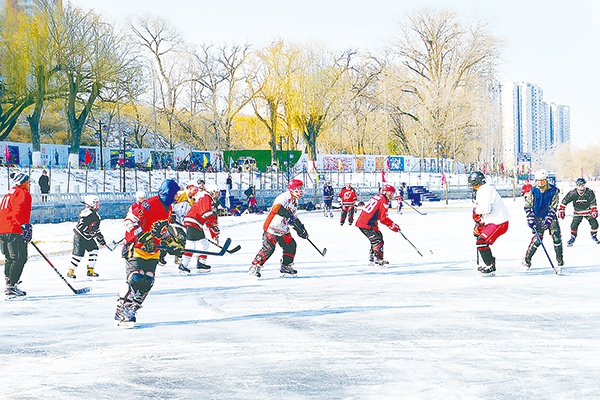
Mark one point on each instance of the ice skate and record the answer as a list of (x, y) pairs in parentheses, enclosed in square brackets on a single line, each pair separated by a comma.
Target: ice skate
[(287, 270), (71, 274), (572, 240), (183, 269), (595, 239), (254, 270), (12, 292), (526, 263), (559, 264), (488, 270), (381, 263), (201, 267), (92, 273), (125, 314)]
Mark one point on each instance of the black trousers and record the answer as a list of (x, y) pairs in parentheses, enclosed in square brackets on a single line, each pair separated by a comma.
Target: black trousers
[(14, 249)]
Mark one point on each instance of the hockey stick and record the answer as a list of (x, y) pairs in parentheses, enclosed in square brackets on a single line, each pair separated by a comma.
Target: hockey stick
[(236, 248), (208, 253), (320, 252), (413, 208), (545, 251), (410, 243), (76, 291)]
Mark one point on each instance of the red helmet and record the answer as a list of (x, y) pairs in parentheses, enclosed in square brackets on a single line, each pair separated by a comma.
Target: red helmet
[(388, 189), (295, 187)]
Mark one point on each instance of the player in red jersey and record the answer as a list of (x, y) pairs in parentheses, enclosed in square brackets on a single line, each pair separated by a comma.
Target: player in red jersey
[(348, 199), (373, 212), (202, 214), (146, 227)]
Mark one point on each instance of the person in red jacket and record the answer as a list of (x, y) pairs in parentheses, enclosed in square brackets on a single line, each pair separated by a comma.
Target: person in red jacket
[(348, 198), (146, 227), (15, 232), (373, 212), (202, 214)]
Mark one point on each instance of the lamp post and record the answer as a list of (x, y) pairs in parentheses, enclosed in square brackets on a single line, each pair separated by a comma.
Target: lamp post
[(99, 133), (125, 143)]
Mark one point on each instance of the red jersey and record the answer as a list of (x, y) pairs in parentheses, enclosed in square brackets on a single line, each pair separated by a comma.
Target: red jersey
[(143, 218), (348, 196), (201, 213), (15, 210), (374, 211)]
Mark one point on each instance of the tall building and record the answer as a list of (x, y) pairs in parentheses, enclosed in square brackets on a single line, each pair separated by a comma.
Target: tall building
[(530, 126)]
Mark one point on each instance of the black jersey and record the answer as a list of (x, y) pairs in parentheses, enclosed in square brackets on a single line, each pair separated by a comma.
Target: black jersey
[(88, 225), (582, 203)]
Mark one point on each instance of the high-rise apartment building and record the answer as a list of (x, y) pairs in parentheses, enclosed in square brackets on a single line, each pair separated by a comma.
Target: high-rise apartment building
[(530, 126)]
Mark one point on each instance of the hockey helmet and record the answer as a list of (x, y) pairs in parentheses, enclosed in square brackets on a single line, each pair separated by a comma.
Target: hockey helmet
[(476, 178), (541, 175), (580, 182), (295, 187), (19, 178), (140, 195), (92, 201), (388, 190), (191, 183), (211, 189), (167, 191)]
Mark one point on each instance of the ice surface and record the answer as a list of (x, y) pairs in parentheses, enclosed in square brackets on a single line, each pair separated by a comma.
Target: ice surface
[(425, 328)]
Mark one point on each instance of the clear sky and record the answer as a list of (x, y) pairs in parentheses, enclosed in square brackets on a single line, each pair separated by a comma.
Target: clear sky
[(553, 44)]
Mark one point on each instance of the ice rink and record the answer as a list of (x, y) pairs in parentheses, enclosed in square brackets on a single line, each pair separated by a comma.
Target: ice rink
[(425, 328)]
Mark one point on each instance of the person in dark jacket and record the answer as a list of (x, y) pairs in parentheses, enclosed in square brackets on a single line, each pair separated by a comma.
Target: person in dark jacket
[(44, 183)]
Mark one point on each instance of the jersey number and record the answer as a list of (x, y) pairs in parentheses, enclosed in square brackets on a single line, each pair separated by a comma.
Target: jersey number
[(370, 206)]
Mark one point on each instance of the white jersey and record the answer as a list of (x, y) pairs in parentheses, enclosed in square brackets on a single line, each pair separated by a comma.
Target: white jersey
[(489, 204), (276, 223)]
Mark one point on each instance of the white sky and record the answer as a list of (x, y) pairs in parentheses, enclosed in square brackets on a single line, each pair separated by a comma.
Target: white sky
[(550, 43)]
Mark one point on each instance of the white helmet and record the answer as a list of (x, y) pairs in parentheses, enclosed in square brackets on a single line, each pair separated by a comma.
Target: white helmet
[(211, 188), (92, 201), (541, 174), (191, 183), (140, 195)]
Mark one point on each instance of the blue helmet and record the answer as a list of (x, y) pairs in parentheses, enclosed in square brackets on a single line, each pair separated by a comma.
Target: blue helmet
[(167, 191)]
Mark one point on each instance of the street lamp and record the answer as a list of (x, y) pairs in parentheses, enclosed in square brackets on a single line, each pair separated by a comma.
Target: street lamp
[(125, 146), (99, 137)]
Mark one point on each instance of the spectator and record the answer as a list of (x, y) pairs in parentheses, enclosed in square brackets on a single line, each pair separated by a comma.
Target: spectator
[(44, 183), (229, 182)]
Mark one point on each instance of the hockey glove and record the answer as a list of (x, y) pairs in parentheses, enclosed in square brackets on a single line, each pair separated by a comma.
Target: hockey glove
[(478, 229), (100, 239), (561, 211), (174, 247), (300, 229), (530, 218), (476, 217), (27, 232), (147, 241), (214, 232), (395, 227), (548, 219), (594, 213)]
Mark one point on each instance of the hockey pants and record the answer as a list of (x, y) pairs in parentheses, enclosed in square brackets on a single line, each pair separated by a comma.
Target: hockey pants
[(287, 243)]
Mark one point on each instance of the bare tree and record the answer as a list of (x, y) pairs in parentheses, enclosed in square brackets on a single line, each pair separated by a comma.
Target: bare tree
[(440, 71)]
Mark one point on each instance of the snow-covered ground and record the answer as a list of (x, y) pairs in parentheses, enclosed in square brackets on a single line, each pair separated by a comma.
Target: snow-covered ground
[(425, 328)]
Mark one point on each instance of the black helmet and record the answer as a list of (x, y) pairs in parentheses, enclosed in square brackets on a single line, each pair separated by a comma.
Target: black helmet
[(476, 178), (580, 181)]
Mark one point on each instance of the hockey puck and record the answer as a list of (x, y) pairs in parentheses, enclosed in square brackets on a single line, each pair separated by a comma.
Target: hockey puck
[(431, 251)]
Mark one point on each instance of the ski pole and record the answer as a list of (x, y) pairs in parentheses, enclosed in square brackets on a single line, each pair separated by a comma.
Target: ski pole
[(413, 208), (76, 291), (410, 243), (545, 251)]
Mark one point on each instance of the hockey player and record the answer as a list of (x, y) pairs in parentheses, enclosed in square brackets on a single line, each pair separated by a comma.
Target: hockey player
[(201, 215), (348, 199), (184, 201), (375, 211), (87, 236), (327, 199), (282, 215), (540, 208), (491, 220), (400, 197), (143, 232), (15, 232), (584, 206)]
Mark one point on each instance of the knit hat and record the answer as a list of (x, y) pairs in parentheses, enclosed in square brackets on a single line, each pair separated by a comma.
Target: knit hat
[(18, 178)]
